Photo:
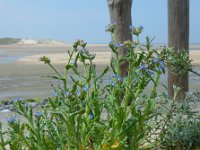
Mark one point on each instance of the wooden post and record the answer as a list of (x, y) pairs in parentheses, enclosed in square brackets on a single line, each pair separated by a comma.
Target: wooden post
[(120, 13), (178, 38)]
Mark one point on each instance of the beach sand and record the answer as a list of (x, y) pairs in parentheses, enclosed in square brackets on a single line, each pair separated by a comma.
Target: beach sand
[(21, 76)]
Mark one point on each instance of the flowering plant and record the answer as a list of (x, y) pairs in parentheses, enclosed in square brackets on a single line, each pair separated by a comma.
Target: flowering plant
[(90, 111)]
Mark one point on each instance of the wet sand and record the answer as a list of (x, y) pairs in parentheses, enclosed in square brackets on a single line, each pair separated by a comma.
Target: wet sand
[(21, 71), (22, 77)]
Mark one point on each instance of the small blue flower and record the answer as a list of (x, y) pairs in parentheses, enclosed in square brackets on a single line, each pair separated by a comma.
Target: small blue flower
[(150, 72), (18, 99), (162, 65), (142, 67), (155, 60), (11, 119), (38, 114), (116, 76), (85, 88), (157, 69), (90, 116), (77, 92), (67, 93), (119, 45), (113, 84)]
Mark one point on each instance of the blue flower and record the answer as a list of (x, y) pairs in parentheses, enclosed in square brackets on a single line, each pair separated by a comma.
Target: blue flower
[(116, 76), (77, 92), (119, 45), (113, 84), (18, 99), (67, 93), (11, 119), (90, 116), (85, 88), (155, 60), (157, 69), (150, 72), (142, 67), (162, 65), (38, 114)]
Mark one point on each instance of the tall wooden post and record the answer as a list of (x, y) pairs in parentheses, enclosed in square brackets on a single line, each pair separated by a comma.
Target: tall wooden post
[(178, 38), (120, 13)]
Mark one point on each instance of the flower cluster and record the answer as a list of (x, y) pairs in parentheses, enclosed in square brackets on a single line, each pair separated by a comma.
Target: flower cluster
[(111, 28), (136, 30), (159, 63), (79, 43), (145, 68), (116, 79), (45, 59)]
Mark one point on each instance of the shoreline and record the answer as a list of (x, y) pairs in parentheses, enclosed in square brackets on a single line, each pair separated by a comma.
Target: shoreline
[(22, 77)]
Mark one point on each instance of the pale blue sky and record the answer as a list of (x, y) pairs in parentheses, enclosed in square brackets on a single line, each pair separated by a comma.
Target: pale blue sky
[(69, 20)]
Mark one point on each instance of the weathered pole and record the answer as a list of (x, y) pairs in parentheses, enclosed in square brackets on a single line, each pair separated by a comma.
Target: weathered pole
[(178, 39), (120, 13)]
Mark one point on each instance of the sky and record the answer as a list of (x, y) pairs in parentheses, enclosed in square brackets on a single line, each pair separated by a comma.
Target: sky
[(69, 20)]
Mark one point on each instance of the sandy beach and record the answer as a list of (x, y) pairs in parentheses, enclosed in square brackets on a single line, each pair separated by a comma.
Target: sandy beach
[(21, 71)]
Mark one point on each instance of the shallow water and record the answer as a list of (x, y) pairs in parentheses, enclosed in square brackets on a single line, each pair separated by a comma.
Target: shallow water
[(7, 59)]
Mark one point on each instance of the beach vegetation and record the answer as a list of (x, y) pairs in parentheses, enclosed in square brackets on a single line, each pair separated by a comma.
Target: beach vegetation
[(104, 111)]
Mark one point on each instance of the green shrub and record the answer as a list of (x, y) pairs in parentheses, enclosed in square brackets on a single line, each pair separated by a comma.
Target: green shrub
[(181, 125)]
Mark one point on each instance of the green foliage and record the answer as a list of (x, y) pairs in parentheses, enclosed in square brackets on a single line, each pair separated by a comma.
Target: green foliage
[(5, 41), (179, 62), (95, 112), (181, 125)]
